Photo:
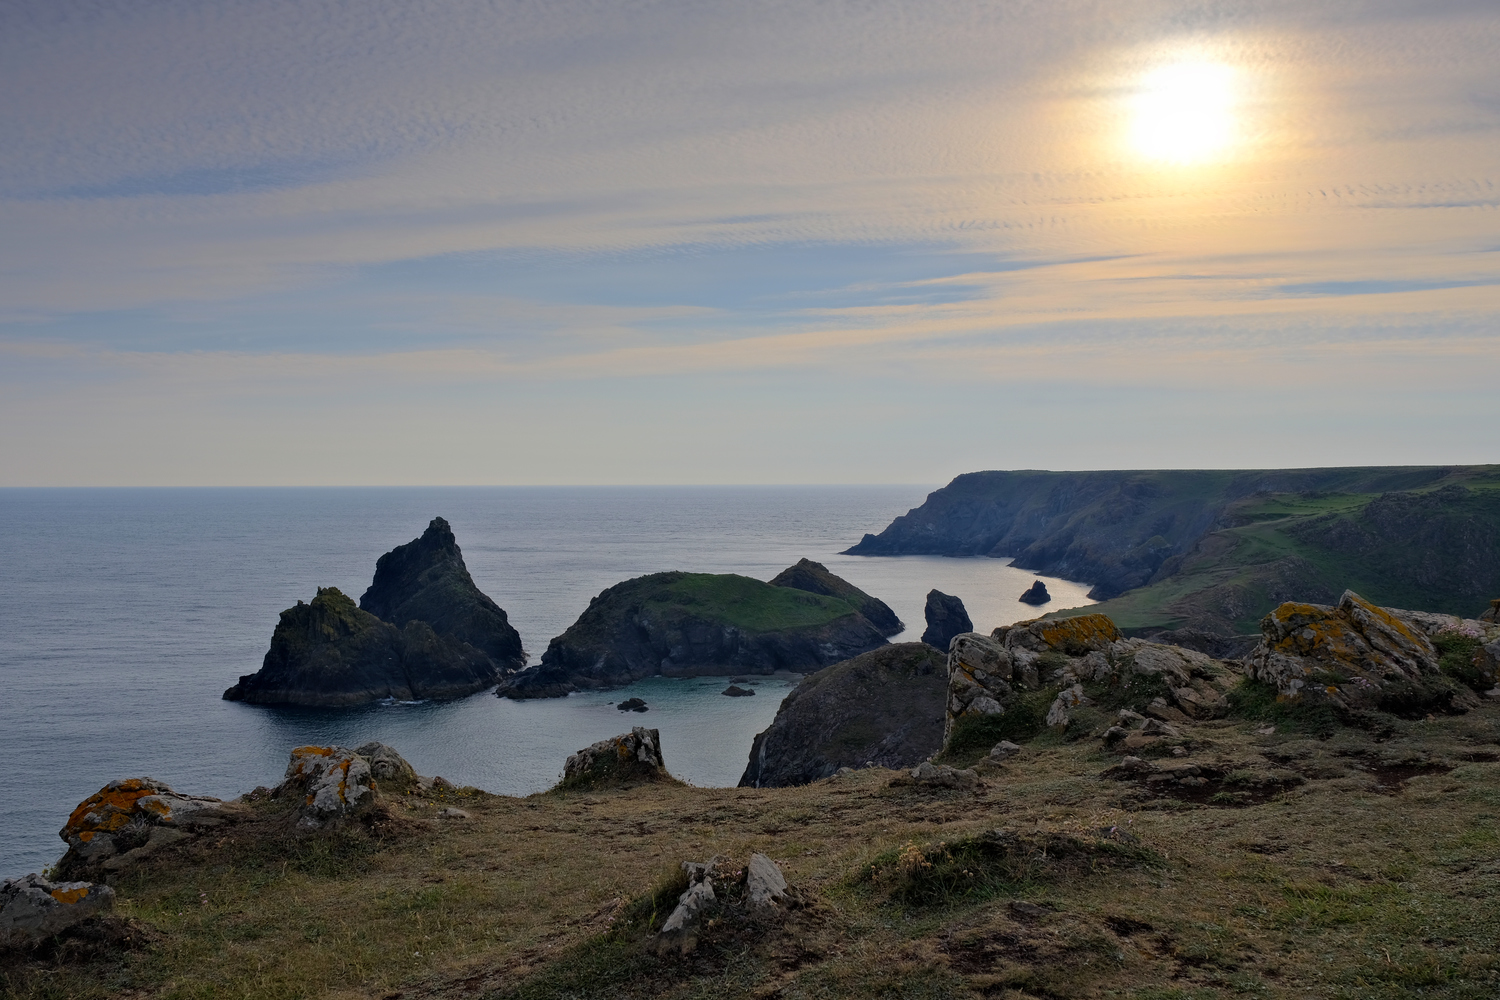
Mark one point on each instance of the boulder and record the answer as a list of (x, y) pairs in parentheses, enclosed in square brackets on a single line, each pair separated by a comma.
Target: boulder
[(123, 816), (329, 785), (764, 883), (1059, 715), (388, 767), (33, 908), (946, 618), (1036, 594), (1493, 614), (942, 776), (426, 580), (884, 706), (735, 691), (330, 653), (691, 625), (1353, 656), (626, 759), (815, 579)]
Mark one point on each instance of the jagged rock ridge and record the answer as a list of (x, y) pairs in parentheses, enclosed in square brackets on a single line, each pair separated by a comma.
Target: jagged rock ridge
[(426, 580)]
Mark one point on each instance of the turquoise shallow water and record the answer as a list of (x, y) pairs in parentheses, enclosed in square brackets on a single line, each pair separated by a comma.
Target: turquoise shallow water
[(125, 613)]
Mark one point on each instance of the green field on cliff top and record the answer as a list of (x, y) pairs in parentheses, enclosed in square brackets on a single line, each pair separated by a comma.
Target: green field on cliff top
[(746, 603), (1427, 550)]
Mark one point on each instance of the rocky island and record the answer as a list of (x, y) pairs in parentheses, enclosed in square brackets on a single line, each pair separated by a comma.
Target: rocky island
[(423, 631), (691, 624)]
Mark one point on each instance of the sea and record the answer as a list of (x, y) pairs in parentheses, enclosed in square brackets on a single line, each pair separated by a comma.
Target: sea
[(125, 613)]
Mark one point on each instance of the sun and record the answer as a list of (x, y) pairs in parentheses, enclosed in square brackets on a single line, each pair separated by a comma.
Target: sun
[(1184, 113)]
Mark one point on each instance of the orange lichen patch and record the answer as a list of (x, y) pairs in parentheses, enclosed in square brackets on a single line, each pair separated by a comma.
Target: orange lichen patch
[(70, 896), (110, 808), (1086, 630), (313, 752)]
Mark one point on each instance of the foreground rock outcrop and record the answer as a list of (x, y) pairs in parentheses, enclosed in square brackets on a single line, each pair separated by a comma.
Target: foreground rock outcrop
[(1355, 656), (883, 707), (627, 759), (330, 653), (946, 617), (692, 624), (33, 908), (426, 580), (816, 579), (991, 676), (129, 818)]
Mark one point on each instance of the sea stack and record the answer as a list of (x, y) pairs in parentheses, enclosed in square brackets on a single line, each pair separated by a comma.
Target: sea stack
[(426, 580), (946, 618), (330, 653), (1036, 595), (423, 631)]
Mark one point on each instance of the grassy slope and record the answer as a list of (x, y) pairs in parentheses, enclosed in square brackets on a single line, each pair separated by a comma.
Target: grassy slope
[(1291, 547), (749, 604), (1348, 885)]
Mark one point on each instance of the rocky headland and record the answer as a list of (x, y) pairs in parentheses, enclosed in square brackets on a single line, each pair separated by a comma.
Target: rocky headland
[(423, 630), (882, 708), (691, 624), (1212, 550)]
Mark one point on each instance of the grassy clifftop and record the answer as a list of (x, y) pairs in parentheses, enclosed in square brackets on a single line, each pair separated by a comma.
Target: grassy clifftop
[(1430, 549), (1359, 865), (1217, 549)]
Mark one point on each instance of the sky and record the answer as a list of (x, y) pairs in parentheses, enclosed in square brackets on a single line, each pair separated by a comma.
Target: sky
[(287, 242)]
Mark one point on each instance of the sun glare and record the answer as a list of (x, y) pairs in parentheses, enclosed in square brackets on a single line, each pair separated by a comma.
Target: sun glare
[(1184, 113)]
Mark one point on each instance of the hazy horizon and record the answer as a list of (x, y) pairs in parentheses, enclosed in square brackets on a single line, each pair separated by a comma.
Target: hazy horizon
[(671, 243)]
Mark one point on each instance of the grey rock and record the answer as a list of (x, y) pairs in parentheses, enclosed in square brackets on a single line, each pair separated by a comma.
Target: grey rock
[(330, 784), (943, 776), (630, 757), (451, 812), (764, 883), (1003, 750), (884, 706), (33, 908), (946, 618), (388, 767), (1059, 715)]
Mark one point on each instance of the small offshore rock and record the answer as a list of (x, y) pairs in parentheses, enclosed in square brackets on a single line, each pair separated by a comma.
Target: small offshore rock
[(764, 883), (1037, 595), (633, 705), (735, 691), (33, 907), (946, 618)]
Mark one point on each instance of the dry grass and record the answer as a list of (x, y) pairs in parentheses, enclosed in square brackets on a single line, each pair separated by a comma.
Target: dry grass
[(1372, 878)]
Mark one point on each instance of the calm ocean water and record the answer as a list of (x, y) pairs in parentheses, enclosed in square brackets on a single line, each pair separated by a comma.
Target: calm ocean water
[(125, 613)]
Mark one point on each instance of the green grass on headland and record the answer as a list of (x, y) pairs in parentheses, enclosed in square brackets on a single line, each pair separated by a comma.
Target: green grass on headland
[(746, 603)]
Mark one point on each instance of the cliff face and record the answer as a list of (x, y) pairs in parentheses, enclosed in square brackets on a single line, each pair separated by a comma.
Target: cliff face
[(426, 580), (1127, 530), (884, 706), (330, 653), (689, 624)]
